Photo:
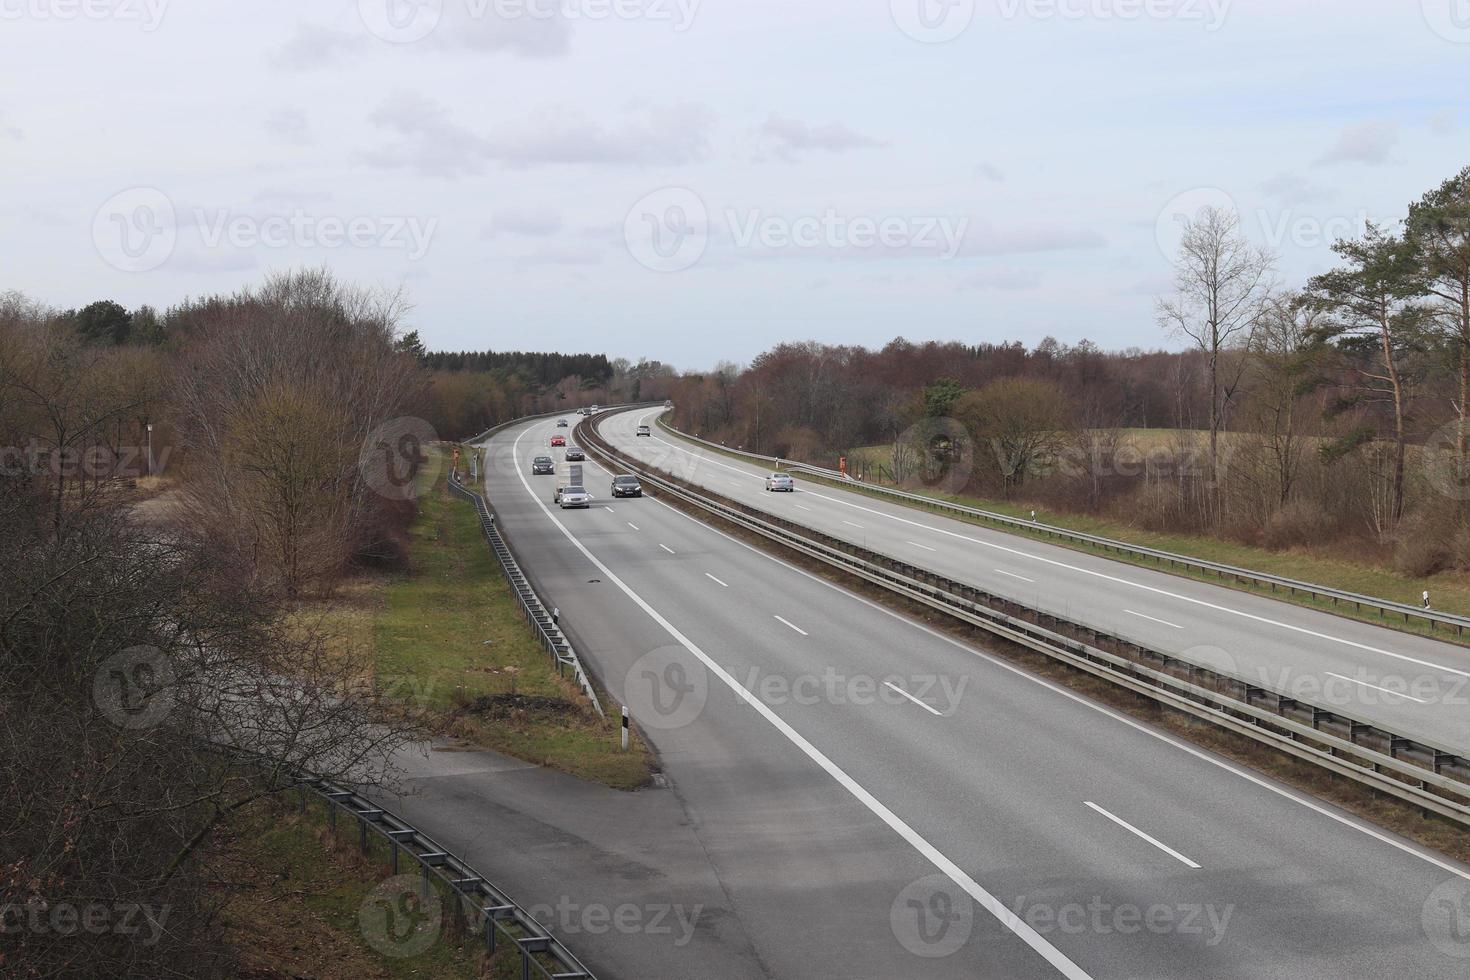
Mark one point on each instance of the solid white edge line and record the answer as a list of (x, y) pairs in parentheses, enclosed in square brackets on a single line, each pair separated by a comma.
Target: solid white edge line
[(793, 626), (989, 902), (929, 708), (1123, 581), (1153, 619), (1134, 830), (1259, 781), (1397, 694)]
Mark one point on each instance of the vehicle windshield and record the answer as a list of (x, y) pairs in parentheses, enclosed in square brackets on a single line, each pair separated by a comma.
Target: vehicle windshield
[(625, 479)]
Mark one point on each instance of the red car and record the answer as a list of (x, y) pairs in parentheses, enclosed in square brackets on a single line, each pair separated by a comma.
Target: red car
[(558, 440)]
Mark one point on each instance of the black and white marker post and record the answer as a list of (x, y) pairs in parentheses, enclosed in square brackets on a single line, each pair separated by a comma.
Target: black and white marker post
[(625, 728)]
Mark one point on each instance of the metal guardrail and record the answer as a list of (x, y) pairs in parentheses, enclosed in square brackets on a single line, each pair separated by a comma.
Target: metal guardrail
[(1384, 607), (493, 912), (1428, 776), (542, 622)]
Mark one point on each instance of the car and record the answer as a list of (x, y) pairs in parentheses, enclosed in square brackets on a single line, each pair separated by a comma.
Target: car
[(574, 453), (571, 497), (644, 430), (781, 481), (561, 423), (558, 440), (592, 410), (543, 466), (626, 486)]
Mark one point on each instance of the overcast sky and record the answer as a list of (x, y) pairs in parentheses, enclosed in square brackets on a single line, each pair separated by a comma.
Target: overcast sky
[(696, 180)]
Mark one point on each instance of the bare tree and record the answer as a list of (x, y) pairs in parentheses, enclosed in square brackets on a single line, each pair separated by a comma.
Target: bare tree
[(1220, 279), (1281, 348)]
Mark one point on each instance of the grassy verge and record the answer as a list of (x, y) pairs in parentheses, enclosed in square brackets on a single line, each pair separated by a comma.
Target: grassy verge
[(1450, 590), (295, 904), (451, 635)]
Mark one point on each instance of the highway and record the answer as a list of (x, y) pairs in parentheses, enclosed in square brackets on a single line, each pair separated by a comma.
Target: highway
[(879, 800), (1414, 686)]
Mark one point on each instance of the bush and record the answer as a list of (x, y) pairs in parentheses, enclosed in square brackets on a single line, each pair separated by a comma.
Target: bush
[(1299, 522)]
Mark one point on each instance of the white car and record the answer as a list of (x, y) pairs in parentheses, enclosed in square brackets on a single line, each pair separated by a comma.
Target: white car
[(644, 430), (571, 497), (780, 481)]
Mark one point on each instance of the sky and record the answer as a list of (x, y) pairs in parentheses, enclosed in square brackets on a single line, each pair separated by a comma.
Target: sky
[(695, 181)]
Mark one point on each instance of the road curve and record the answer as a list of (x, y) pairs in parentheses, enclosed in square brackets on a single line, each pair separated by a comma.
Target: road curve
[(1414, 686), (879, 800)]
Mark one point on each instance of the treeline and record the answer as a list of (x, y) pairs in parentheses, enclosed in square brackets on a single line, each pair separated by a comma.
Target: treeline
[(157, 677), (1333, 410), (541, 369)]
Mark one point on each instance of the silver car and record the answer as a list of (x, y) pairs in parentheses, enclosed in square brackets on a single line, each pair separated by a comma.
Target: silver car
[(780, 481), (571, 497)]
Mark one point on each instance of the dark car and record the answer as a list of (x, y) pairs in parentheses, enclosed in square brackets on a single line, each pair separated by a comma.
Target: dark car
[(561, 423), (543, 466), (626, 486), (574, 453)]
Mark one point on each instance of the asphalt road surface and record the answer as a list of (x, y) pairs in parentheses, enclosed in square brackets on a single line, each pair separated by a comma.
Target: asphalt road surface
[(1411, 685), (878, 800)]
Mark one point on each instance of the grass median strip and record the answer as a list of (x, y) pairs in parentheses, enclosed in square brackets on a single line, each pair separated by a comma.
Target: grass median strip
[(451, 635)]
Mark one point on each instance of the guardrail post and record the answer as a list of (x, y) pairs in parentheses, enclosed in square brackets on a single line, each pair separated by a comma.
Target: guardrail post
[(625, 728)]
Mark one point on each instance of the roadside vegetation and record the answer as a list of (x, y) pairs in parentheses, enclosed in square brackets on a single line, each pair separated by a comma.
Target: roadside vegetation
[(451, 634)]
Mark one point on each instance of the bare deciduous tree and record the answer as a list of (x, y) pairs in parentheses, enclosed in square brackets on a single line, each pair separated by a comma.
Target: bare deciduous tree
[(1220, 279)]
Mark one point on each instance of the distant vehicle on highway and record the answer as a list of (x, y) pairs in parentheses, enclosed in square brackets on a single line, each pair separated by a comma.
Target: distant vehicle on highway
[(558, 440), (543, 466), (561, 423), (644, 430), (574, 453), (592, 410), (668, 403), (780, 481), (571, 497), (626, 486)]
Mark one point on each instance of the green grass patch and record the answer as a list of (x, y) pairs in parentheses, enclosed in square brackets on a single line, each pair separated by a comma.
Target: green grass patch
[(452, 635)]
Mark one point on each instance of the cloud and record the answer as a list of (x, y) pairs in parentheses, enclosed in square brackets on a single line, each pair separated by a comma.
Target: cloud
[(984, 238), (990, 172), (313, 46), (427, 141), (523, 221), (1006, 280), (788, 139), (529, 37), (289, 126), (1293, 189), (1368, 144), (569, 256)]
